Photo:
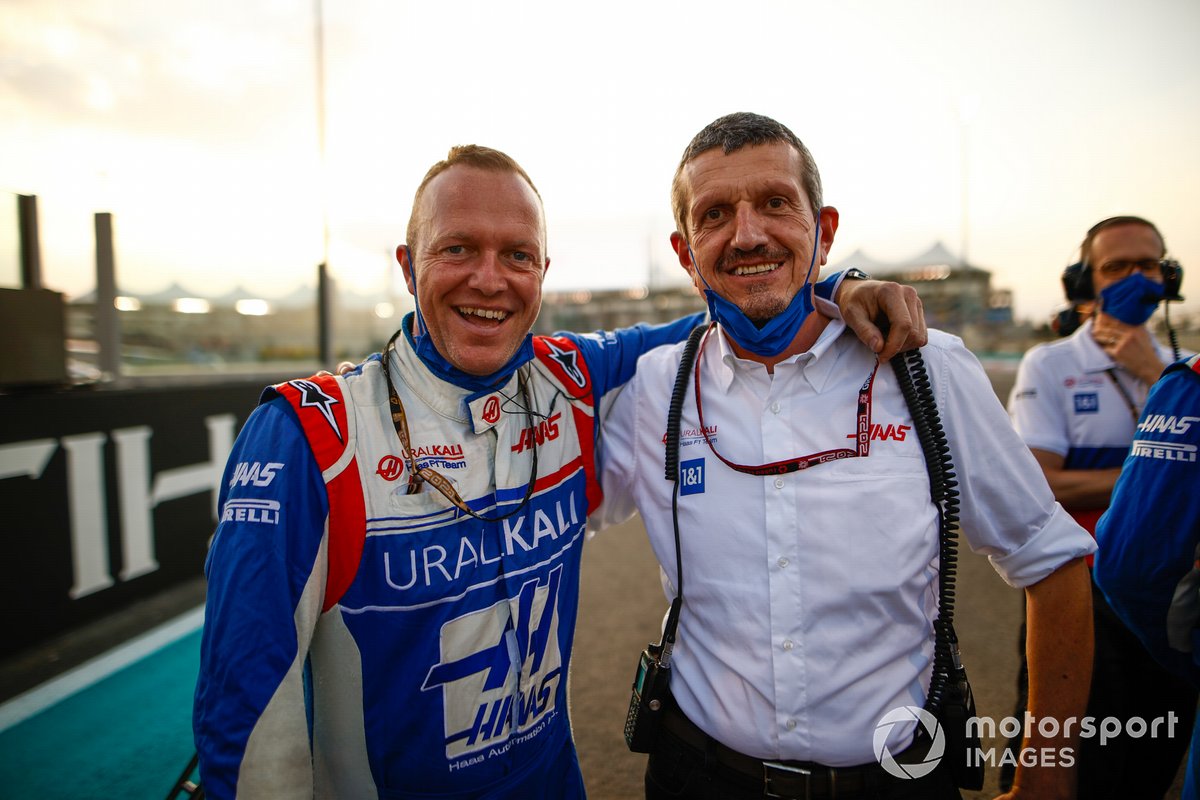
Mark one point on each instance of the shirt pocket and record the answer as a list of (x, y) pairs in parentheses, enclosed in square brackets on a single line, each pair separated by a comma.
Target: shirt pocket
[(876, 465)]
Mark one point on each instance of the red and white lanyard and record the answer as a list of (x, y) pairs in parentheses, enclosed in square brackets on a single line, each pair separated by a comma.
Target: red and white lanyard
[(862, 435)]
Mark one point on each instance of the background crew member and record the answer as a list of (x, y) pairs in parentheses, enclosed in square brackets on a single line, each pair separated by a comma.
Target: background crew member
[(428, 657), (1076, 402), (1147, 562), (809, 596)]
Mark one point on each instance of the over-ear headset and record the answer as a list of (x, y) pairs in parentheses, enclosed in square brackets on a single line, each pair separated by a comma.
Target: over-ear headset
[(1077, 283), (1079, 287), (1077, 278)]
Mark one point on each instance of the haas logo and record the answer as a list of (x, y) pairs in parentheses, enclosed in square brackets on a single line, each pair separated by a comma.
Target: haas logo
[(491, 410), (390, 467)]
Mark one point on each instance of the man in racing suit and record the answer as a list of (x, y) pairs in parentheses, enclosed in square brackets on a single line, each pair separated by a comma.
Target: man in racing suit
[(1148, 565), (394, 580)]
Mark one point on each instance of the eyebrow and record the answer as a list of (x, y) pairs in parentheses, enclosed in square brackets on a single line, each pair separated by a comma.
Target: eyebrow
[(772, 186)]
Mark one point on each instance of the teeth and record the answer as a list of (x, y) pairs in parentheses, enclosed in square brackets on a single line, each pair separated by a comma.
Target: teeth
[(486, 313), (756, 269)]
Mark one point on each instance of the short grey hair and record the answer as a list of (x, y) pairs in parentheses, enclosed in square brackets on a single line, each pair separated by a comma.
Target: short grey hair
[(733, 132)]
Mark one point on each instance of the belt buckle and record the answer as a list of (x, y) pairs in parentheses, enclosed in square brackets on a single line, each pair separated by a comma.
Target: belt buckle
[(806, 774)]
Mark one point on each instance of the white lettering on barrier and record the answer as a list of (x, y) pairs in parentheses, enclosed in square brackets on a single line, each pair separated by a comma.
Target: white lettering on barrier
[(86, 483)]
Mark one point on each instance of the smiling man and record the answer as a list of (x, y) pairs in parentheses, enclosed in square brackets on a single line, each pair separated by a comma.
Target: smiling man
[(808, 540), (400, 624)]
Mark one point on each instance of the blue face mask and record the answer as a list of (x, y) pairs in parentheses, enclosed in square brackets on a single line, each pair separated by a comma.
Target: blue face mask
[(1131, 300), (774, 336), (422, 344)]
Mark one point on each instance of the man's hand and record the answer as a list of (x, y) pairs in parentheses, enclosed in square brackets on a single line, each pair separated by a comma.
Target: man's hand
[(342, 368), (864, 302), (1128, 345)]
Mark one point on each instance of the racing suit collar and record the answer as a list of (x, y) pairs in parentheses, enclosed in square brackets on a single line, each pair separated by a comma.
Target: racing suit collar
[(477, 385), (443, 396)]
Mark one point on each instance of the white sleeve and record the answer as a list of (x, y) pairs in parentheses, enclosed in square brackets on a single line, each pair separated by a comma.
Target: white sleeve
[(616, 455), (1035, 406), (1007, 510)]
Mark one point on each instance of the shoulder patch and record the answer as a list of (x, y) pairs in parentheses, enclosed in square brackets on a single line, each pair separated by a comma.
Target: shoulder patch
[(319, 404), (321, 408), (565, 362)]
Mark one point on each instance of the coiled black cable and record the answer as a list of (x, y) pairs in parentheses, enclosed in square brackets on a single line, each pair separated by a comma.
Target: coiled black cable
[(671, 467), (914, 383)]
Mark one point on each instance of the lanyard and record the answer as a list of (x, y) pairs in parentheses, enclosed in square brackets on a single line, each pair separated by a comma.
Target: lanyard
[(1133, 409), (418, 475), (862, 435)]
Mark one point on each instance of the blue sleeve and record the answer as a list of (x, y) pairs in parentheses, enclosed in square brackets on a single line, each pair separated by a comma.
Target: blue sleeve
[(262, 559), (1148, 536), (612, 356), (825, 289)]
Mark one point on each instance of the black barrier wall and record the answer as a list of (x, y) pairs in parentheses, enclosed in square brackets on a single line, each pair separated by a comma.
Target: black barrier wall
[(107, 496)]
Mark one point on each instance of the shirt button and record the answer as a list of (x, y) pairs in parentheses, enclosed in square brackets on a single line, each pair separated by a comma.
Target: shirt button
[(779, 483), (783, 562), (775, 407), (790, 724), (788, 644)]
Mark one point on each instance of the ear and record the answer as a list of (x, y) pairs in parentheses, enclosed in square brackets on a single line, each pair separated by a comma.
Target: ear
[(827, 218), (546, 268), (402, 256), (682, 251)]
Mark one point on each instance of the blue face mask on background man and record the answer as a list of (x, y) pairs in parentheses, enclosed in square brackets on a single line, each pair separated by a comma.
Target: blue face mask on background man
[(1131, 300)]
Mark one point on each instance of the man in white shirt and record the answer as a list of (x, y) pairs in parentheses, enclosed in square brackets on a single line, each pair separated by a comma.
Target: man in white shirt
[(1076, 403), (809, 543)]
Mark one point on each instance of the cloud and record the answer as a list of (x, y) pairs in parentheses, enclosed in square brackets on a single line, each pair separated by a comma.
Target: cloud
[(224, 72)]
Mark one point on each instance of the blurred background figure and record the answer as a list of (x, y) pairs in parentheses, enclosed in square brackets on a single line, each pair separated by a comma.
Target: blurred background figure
[(1147, 564), (1076, 403)]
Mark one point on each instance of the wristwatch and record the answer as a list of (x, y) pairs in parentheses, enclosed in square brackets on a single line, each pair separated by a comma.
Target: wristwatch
[(855, 274)]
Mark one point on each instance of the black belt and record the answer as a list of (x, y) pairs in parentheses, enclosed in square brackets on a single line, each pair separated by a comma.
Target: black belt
[(802, 780)]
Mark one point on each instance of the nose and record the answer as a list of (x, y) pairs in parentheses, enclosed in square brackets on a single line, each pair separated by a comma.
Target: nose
[(748, 229), (487, 276)]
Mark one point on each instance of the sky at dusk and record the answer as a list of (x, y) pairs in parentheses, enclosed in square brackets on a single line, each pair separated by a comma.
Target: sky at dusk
[(1006, 129)]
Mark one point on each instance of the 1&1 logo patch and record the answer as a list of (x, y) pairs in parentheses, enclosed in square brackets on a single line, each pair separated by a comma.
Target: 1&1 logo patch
[(691, 476), (1087, 403)]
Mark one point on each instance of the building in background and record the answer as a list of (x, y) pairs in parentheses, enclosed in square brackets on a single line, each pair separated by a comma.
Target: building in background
[(958, 298)]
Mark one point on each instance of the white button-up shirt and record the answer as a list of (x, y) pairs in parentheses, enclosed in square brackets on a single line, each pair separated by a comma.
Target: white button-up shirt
[(809, 596), (1067, 400)]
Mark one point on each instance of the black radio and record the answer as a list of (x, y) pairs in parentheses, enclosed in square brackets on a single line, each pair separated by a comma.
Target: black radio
[(650, 687)]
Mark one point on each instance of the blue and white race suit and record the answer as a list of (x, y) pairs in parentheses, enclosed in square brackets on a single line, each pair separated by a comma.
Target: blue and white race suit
[(1147, 564), (430, 657)]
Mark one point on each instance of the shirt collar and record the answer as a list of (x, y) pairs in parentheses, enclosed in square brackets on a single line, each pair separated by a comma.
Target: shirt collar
[(816, 368), (1092, 357)]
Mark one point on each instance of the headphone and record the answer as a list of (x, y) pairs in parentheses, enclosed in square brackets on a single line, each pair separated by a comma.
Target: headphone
[(1079, 287), (1077, 278)]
